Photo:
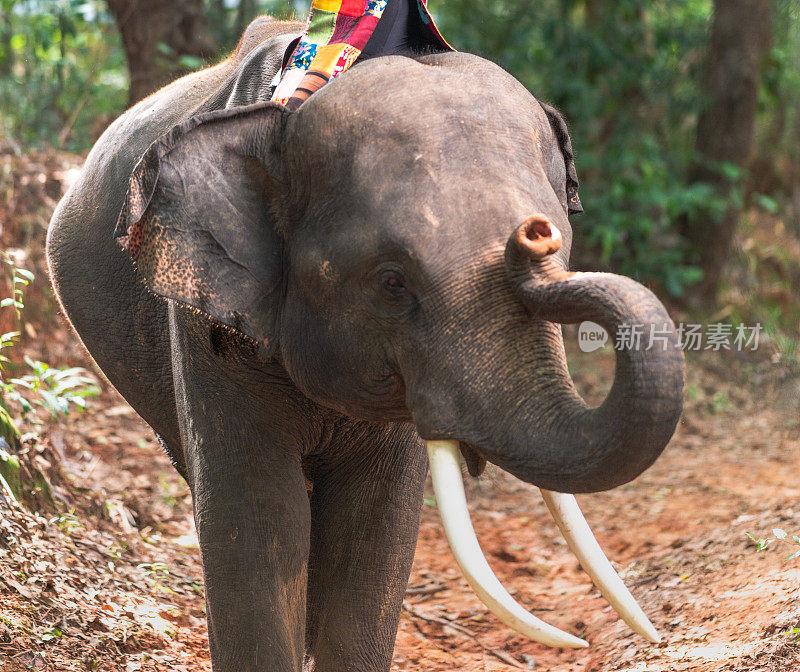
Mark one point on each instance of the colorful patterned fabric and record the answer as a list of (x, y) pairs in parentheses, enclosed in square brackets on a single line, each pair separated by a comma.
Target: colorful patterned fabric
[(336, 33)]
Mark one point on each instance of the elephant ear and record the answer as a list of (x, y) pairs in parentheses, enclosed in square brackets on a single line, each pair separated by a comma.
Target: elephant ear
[(198, 218), (559, 127)]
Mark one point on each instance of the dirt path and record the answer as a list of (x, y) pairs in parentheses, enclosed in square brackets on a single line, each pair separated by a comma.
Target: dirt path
[(118, 584), (112, 581), (678, 535)]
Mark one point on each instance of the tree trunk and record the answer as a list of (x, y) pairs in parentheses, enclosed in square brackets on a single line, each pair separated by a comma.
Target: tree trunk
[(6, 32), (219, 24), (155, 35), (245, 14), (740, 38)]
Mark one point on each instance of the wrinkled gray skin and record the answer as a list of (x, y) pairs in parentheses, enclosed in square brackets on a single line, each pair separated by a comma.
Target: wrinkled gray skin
[(364, 241)]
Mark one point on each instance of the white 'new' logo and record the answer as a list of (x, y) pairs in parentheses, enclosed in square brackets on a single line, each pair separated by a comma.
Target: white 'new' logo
[(591, 336)]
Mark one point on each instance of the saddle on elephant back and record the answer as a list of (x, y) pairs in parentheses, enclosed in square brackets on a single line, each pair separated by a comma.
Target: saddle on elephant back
[(340, 32)]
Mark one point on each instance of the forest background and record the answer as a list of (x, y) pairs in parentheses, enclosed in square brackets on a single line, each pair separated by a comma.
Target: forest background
[(684, 120), (683, 113)]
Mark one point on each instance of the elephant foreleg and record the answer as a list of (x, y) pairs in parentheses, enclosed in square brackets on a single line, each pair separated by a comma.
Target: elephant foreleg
[(366, 506), (252, 524), (251, 510)]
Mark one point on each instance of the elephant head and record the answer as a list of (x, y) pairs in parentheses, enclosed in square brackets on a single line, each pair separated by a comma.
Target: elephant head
[(401, 244)]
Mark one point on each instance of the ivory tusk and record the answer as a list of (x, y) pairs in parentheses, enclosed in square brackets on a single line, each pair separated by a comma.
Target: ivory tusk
[(565, 511), (451, 500)]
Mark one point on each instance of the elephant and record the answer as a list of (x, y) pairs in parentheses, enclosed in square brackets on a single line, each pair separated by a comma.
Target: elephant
[(300, 302)]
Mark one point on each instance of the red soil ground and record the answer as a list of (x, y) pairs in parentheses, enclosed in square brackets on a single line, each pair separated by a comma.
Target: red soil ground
[(117, 584)]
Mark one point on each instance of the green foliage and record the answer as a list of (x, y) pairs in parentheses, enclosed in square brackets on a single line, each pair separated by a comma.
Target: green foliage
[(9, 433), (51, 634), (67, 522), (779, 130), (625, 74), (20, 278), (22, 481), (52, 389), (61, 69), (10, 475), (63, 73), (779, 536)]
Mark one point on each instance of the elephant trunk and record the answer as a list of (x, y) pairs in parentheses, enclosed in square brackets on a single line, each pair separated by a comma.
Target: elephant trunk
[(551, 437), (577, 448)]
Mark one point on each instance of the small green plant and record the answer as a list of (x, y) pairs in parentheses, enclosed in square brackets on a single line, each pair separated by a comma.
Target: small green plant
[(52, 389), (8, 429), (20, 278), (67, 522), (761, 544), (157, 574), (779, 535), (720, 403), (51, 634)]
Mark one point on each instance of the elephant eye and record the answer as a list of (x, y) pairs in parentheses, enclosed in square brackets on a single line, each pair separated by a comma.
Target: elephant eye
[(393, 285)]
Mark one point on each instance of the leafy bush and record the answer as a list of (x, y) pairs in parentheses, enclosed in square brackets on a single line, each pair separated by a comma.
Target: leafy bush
[(62, 68), (40, 386), (628, 77), (63, 71), (52, 389)]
